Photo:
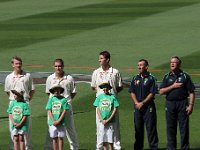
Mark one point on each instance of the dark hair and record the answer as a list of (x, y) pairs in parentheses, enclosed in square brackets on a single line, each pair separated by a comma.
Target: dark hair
[(176, 57), (145, 61), (60, 61), (16, 58), (106, 54)]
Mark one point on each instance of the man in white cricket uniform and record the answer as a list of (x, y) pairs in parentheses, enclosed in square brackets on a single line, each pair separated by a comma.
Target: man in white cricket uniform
[(67, 82), (23, 81), (106, 73)]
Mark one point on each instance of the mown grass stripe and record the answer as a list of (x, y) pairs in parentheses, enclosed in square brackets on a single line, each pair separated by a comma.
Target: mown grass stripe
[(46, 26)]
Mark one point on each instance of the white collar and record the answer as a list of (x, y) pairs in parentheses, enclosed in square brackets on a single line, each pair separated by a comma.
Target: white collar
[(109, 70), (18, 76), (63, 77)]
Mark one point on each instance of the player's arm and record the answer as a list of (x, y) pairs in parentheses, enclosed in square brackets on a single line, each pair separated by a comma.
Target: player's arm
[(48, 86), (152, 91), (133, 93), (73, 95), (61, 117), (134, 99), (72, 88), (21, 122), (175, 85), (148, 98), (120, 84), (191, 103), (6, 86), (11, 119), (98, 113), (93, 81), (31, 87), (138, 104), (111, 116), (119, 89), (50, 115), (31, 94)]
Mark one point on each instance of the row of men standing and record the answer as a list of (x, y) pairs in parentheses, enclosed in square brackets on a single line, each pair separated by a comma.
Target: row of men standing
[(22, 80), (177, 86)]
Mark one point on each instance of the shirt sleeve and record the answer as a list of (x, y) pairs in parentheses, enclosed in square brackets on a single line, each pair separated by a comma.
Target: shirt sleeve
[(9, 110), (26, 110), (119, 80), (49, 106), (7, 85), (154, 87), (65, 105), (48, 84), (96, 102), (115, 101), (190, 85), (132, 86), (164, 82), (72, 85), (31, 84)]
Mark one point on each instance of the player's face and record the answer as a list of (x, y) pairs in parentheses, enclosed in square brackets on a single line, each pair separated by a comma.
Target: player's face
[(15, 96), (103, 61), (174, 64), (57, 93), (17, 65), (106, 90), (58, 67), (18, 98), (142, 68)]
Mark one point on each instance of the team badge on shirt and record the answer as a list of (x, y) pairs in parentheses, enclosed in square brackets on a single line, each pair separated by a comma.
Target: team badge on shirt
[(145, 81), (17, 113), (56, 107), (179, 79), (170, 80), (105, 105)]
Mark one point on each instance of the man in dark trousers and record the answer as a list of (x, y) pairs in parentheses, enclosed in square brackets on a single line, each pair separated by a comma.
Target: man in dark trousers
[(177, 86), (143, 89)]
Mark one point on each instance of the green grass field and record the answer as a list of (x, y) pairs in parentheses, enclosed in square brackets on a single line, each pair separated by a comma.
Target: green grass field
[(40, 31)]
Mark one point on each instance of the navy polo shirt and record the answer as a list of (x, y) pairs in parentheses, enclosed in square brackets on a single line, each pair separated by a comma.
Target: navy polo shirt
[(178, 93), (143, 86)]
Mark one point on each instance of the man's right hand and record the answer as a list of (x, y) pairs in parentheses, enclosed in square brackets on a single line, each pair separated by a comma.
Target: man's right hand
[(177, 85)]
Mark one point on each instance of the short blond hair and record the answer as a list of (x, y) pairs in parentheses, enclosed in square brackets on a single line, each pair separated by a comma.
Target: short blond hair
[(16, 58)]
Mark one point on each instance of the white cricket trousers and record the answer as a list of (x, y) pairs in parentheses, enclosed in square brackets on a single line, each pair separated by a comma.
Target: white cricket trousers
[(70, 129)]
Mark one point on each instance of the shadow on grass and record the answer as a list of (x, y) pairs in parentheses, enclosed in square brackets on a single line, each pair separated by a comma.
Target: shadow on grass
[(5, 117), (33, 28), (80, 112)]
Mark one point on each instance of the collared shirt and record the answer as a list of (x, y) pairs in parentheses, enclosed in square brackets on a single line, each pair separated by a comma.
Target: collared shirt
[(23, 82), (57, 105), (111, 75), (106, 104), (143, 86), (67, 82), (178, 93)]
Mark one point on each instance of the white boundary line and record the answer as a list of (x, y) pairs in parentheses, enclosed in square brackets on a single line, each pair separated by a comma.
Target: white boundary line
[(75, 82)]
